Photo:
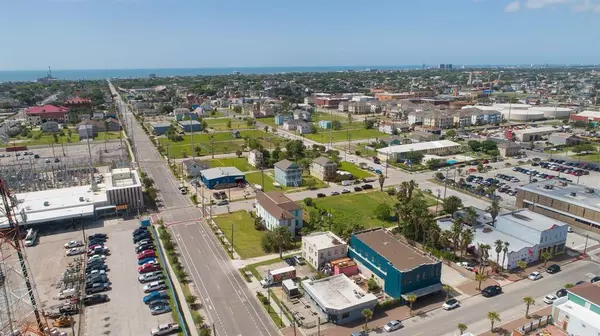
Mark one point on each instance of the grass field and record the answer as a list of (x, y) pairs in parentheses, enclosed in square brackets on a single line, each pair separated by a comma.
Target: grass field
[(337, 136), (355, 170), (47, 139), (256, 178), (246, 240), (220, 124), (240, 163), (267, 121)]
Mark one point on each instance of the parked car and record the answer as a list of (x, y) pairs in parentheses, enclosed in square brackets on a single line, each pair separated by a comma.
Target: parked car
[(144, 247), (450, 304), (152, 276), (93, 299), (392, 325), (139, 238), (553, 269), (223, 202), (74, 251), (146, 254), (549, 299), (96, 278), (73, 243), (154, 286), (367, 187), (144, 242), (160, 309), (89, 285), (155, 296), (357, 189), (492, 290), (99, 251), (97, 287), (345, 191), (147, 261), (535, 276), (139, 230), (299, 260), (92, 247), (321, 195), (334, 193), (96, 268), (148, 268), (164, 329), (580, 282), (96, 257), (98, 235)]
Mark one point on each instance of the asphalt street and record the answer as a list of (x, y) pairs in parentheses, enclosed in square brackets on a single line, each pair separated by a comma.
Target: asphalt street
[(473, 311), (228, 302)]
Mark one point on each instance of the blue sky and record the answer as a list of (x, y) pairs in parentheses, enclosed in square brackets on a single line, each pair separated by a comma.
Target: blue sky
[(114, 34)]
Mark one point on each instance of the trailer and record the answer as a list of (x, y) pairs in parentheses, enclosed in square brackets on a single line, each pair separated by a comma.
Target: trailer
[(278, 275)]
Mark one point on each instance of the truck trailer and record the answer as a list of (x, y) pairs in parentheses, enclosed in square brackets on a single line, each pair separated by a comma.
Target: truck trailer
[(278, 275)]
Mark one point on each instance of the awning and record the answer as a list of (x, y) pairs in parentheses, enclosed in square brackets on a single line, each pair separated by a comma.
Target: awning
[(424, 291)]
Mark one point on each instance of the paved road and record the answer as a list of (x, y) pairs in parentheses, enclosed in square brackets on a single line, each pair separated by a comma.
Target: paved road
[(228, 301), (509, 305)]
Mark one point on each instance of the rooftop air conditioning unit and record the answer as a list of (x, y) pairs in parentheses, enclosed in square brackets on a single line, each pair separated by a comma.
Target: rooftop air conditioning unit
[(46, 203), (589, 190), (573, 194), (81, 199)]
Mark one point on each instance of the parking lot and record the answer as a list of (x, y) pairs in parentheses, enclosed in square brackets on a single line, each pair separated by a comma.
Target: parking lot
[(125, 313)]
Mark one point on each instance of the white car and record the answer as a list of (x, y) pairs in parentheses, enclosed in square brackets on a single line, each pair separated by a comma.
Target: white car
[(392, 325), (569, 229), (96, 257), (535, 276), (164, 329), (345, 191), (450, 304), (467, 265), (154, 286), (550, 298), (74, 251), (94, 272), (73, 243), (152, 276)]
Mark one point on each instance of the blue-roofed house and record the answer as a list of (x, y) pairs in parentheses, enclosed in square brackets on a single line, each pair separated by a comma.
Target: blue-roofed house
[(288, 173), (190, 125)]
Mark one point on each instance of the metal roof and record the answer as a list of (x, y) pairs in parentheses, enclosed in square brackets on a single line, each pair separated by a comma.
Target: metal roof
[(213, 173)]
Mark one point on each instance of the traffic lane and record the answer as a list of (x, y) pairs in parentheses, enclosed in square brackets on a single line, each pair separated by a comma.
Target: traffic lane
[(475, 309), (229, 302)]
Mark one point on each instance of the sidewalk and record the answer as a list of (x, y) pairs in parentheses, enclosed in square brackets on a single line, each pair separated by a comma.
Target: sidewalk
[(503, 329), (239, 263)]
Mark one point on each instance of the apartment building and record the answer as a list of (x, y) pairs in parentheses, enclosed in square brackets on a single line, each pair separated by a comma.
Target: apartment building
[(359, 107), (438, 120)]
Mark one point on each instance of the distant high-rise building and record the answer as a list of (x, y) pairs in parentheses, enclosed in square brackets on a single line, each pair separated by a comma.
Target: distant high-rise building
[(442, 66), (449, 66)]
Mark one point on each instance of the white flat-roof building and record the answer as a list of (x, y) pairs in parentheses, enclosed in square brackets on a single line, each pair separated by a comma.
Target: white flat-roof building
[(338, 299), (319, 248), (124, 189), (533, 134), (398, 152)]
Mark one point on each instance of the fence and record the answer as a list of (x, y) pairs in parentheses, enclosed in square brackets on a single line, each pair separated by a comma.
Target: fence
[(534, 325)]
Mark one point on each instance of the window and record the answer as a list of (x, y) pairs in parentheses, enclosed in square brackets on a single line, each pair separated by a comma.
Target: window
[(346, 314)]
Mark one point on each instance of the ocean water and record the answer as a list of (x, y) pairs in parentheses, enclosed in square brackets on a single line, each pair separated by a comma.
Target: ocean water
[(33, 75)]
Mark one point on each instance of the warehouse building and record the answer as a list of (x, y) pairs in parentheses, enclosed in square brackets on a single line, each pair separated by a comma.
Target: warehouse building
[(222, 177), (399, 269), (338, 299), (160, 128), (533, 134), (574, 204), (398, 153)]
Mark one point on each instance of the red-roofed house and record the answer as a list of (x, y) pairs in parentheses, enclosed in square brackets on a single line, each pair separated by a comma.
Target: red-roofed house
[(37, 115), (78, 102)]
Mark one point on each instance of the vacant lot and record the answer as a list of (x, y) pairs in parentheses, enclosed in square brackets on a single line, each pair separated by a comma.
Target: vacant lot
[(257, 178), (220, 124), (246, 239), (40, 138), (240, 163), (323, 136), (355, 170)]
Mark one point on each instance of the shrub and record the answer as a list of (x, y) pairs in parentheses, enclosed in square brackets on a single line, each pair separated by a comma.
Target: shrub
[(308, 201), (373, 286), (391, 191), (190, 299)]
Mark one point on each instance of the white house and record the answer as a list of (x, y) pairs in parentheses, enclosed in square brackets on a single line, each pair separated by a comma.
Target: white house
[(193, 167), (255, 158), (319, 248), (277, 210)]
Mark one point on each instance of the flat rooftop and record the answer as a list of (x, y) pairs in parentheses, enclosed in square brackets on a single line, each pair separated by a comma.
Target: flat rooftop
[(573, 193), (419, 146), (213, 173), (536, 130), (324, 240), (338, 292), (529, 219), (401, 255), (122, 178)]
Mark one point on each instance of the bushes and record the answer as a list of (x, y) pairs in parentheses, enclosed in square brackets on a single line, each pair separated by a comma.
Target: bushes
[(308, 201), (388, 304), (263, 299), (373, 286)]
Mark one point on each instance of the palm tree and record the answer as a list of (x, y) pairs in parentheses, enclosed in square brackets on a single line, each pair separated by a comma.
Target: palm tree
[(444, 239), (411, 299), (522, 265), (282, 237), (483, 251), (493, 317), (494, 210), (498, 248), (105, 135), (480, 277), (504, 252), (367, 314), (462, 328), (546, 255), (528, 301), (447, 289), (381, 181), (470, 215), (466, 238), (455, 231)]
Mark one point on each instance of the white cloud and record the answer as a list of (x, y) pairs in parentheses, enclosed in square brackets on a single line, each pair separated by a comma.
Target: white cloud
[(587, 6), (537, 4), (512, 7)]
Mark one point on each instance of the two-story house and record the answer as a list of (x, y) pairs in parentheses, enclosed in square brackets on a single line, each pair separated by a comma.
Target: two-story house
[(578, 312), (281, 118), (319, 248), (288, 173), (277, 210), (255, 158), (323, 168)]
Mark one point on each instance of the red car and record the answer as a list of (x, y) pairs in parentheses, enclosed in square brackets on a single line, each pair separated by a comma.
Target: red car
[(146, 254), (92, 247), (486, 161), (148, 268)]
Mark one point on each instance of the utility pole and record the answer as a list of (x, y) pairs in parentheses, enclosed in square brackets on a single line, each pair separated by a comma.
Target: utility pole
[(232, 239), (586, 242)]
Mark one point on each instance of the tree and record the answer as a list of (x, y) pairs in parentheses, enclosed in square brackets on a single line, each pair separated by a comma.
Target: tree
[(493, 317), (480, 167), (466, 238), (480, 277), (498, 245), (447, 290), (229, 123), (461, 328), (583, 148), (308, 201), (528, 301), (367, 314), (259, 223), (522, 265), (504, 252), (546, 255), (451, 204), (494, 210), (282, 237), (414, 157), (369, 123), (569, 285), (336, 125), (470, 216), (383, 212), (484, 253), (435, 163), (411, 299), (455, 231), (474, 145), (266, 129), (238, 153), (381, 181), (350, 118), (197, 150), (450, 133), (295, 149)]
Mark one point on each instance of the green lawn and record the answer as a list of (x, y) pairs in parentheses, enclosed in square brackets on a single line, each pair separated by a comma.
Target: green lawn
[(220, 124), (246, 240), (267, 121), (47, 139), (355, 170), (354, 134), (240, 163), (256, 178)]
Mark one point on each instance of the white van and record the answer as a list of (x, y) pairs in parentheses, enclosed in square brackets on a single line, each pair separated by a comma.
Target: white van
[(67, 294)]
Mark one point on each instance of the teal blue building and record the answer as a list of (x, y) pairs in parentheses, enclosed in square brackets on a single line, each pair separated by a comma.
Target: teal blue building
[(399, 268)]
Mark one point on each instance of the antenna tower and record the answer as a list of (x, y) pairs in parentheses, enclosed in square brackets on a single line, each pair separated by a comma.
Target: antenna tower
[(18, 296)]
